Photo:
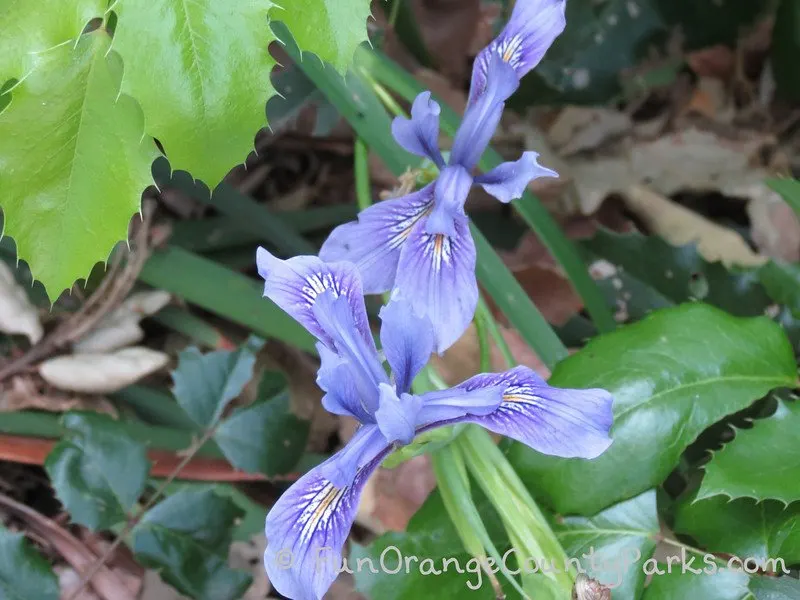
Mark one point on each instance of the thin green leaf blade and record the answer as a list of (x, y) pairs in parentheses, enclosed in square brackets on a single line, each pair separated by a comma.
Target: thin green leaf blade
[(98, 470), (671, 375), (201, 72), (66, 209)]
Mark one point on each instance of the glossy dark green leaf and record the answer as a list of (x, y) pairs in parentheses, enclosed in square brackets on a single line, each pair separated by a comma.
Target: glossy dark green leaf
[(775, 588), (613, 544), (679, 273), (741, 527), (771, 448), (206, 383), (264, 437), (98, 470), (786, 48), (24, 574), (672, 375), (186, 538), (782, 282), (674, 585)]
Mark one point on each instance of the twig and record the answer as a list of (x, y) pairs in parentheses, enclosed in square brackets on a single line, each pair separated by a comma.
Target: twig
[(109, 586), (134, 520), (108, 295)]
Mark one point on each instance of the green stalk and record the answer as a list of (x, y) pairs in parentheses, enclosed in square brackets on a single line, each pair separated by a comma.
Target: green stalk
[(361, 169), (494, 331), (384, 71)]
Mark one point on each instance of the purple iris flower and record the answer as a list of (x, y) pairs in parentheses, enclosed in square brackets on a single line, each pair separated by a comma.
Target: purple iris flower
[(307, 528), (421, 242)]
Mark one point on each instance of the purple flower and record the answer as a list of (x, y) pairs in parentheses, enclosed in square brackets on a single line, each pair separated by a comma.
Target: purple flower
[(307, 527), (420, 243)]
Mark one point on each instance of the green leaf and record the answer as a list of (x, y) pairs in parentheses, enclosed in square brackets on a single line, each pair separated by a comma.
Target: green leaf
[(186, 537), (28, 32), (741, 527), (679, 273), (672, 375), (723, 585), (206, 383), (201, 72), (98, 471), (789, 189), (24, 574), (782, 282), (264, 437), (618, 540), (75, 162), (775, 588), (785, 48), (771, 445), (331, 29)]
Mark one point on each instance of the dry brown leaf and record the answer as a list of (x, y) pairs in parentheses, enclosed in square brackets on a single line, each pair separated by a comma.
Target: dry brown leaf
[(102, 373), (679, 226), (712, 100), (17, 314), (22, 394), (580, 128), (716, 61), (775, 227)]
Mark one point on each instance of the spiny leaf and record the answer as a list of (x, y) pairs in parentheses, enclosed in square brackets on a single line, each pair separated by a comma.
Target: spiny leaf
[(27, 32), (186, 537), (201, 72), (672, 375), (742, 527), (24, 573), (206, 383), (98, 470), (622, 532), (74, 161), (331, 29), (771, 446)]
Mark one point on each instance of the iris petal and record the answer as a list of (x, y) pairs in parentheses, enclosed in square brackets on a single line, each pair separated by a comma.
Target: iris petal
[(437, 274), (373, 243), (308, 525), (508, 181), (420, 134), (406, 339)]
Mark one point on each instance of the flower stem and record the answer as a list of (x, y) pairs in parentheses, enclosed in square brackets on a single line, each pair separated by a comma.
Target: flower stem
[(483, 313), (361, 168)]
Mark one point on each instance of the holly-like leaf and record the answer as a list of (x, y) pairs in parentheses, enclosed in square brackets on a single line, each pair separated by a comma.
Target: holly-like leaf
[(771, 448), (206, 383), (331, 29), (201, 72), (673, 584), (74, 161), (97, 470), (775, 588), (672, 375), (742, 527), (23, 572), (186, 537), (264, 437), (28, 32), (613, 544)]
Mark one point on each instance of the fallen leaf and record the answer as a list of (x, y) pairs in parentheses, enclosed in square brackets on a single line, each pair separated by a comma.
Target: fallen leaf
[(121, 327), (580, 128), (17, 314), (680, 226), (775, 227), (102, 373), (716, 61), (23, 394), (712, 100)]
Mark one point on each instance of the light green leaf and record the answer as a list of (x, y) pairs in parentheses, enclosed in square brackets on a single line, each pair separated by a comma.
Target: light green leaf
[(97, 470), (722, 585), (73, 161), (206, 383), (617, 540), (331, 29), (24, 574), (27, 32), (186, 537), (201, 72), (742, 527), (775, 588), (264, 437), (672, 375), (771, 447)]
